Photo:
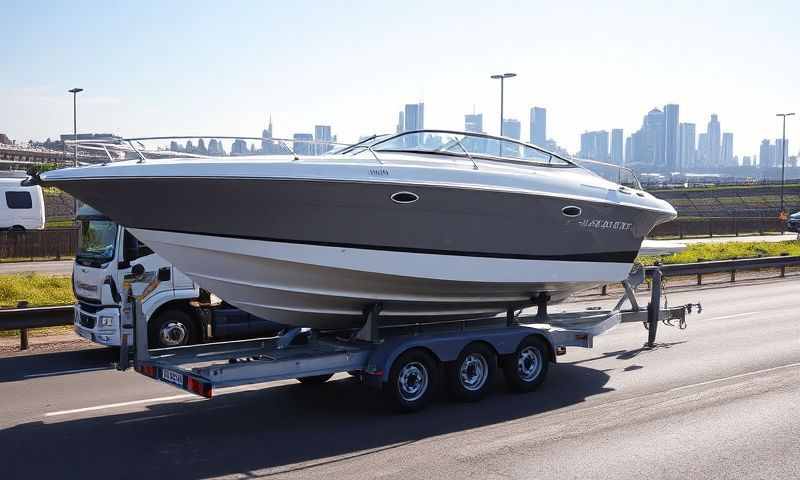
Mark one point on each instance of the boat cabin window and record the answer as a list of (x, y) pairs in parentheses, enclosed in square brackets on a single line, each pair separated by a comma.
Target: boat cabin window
[(19, 200)]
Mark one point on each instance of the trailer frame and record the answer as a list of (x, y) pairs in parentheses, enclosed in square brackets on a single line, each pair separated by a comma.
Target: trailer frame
[(372, 351)]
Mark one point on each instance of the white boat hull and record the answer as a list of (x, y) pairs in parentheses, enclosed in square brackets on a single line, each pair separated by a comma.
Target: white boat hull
[(329, 287)]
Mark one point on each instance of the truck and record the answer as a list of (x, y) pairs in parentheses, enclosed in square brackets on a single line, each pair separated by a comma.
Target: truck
[(177, 311), (21, 207), (407, 362)]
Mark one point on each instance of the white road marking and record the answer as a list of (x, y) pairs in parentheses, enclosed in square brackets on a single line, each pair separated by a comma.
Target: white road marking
[(64, 372), (732, 377), (183, 396), (723, 317), (118, 405)]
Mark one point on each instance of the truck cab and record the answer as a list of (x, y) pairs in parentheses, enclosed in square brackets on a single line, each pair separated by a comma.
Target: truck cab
[(178, 311)]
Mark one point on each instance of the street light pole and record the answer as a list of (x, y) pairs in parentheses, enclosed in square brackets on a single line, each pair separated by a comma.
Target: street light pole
[(783, 154), (74, 92), (502, 78)]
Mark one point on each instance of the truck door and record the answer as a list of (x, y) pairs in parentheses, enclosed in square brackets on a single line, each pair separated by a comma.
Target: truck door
[(136, 252)]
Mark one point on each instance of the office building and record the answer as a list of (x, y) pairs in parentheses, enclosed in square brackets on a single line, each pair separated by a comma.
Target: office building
[(687, 150), (726, 150), (538, 126), (671, 145), (616, 146), (322, 135), (594, 145), (714, 142)]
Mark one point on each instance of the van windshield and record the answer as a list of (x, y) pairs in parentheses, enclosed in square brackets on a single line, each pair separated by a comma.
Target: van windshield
[(98, 240)]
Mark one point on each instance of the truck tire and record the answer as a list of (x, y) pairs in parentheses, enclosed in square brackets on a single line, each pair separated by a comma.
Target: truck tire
[(172, 328), (315, 379), (472, 375), (412, 381), (527, 368)]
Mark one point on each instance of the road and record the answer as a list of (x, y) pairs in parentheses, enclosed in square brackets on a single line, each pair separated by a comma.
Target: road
[(718, 400), (55, 267)]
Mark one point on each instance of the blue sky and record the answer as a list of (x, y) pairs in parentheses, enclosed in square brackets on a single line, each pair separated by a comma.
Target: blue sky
[(155, 68)]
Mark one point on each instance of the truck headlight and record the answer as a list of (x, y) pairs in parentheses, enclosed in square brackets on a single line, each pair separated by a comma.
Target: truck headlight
[(106, 321)]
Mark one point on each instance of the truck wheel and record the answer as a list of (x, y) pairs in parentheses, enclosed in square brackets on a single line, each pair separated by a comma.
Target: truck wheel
[(315, 380), (412, 380), (472, 375), (526, 368), (171, 328)]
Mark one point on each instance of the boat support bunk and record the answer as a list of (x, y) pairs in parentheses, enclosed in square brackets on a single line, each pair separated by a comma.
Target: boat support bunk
[(406, 361)]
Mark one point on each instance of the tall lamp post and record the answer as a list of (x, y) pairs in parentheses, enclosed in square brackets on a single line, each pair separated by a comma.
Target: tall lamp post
[(783, 154), (502, 77), (74, 92)]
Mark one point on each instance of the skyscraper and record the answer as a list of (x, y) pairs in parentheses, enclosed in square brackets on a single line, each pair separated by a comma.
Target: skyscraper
[(414, 119), (594, 145), (473, 122), (512, 128), (765, 154), (779, 150), (322, 135), (671, 117), (654, 137), (303, 144), (538, 128), (268, 147), (686, 153), (714, 157), (727, 150), (703, 154), (616, 146)]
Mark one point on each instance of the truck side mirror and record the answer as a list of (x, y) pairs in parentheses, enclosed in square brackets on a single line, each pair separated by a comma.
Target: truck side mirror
[(137, 270)]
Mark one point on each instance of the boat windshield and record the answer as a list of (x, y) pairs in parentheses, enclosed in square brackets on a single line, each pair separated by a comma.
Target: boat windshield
[(468, 145)]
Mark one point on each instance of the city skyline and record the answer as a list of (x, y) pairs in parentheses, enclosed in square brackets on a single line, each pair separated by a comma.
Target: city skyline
[(255, 70)]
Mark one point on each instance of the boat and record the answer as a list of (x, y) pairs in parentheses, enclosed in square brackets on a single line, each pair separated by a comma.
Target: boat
[(423, 225)]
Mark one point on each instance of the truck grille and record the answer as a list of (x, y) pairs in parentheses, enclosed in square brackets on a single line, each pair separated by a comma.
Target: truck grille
[(87, 320)]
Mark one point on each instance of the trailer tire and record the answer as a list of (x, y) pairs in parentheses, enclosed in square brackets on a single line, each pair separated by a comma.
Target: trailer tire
[(412, 381), (315, 379), (472, 375), (17, 228), (527, 367), (172, 328)]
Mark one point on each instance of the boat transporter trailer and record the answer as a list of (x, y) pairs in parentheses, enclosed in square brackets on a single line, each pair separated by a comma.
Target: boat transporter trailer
[(406, 361)]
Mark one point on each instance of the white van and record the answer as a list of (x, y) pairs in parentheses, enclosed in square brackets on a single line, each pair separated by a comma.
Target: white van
[(21, 208)]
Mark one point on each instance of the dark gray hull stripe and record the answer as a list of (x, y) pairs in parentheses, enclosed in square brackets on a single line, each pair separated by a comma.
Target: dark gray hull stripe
[(600, 257)]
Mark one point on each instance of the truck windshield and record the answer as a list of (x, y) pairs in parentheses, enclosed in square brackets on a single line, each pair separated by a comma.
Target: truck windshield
[(98, 240)]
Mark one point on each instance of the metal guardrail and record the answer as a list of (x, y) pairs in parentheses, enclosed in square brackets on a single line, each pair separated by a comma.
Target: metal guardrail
[(23, 318), (721, 266), (60, 315)]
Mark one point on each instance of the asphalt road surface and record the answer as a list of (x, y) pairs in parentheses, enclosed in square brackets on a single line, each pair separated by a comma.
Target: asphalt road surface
[(718, 400), (55, 267)]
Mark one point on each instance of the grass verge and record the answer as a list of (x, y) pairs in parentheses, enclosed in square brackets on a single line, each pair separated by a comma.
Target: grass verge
[(38, 290), (727, 251)]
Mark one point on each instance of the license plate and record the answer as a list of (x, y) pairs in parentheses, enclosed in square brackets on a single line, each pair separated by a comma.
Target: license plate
[(172, 377)]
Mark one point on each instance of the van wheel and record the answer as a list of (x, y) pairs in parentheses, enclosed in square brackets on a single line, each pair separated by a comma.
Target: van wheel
[(526, 368), (171, 328), (412, 380), (472, 375)]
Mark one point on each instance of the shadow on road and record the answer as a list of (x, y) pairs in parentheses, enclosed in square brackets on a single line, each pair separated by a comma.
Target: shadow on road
[(20, 367), (255, 433)]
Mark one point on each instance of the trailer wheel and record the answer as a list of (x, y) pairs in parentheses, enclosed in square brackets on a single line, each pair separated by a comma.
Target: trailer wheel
[(472, 375), (527, 368), (17, 228), (315, 379), (171, 328), (412, 380)]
